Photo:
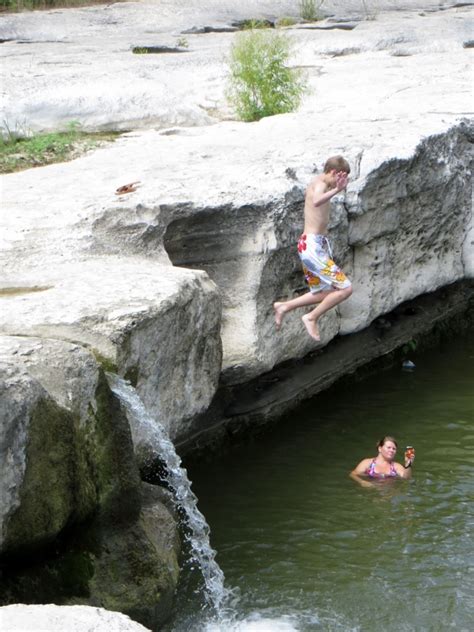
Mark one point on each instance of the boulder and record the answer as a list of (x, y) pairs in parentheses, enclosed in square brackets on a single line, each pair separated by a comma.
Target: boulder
[(20, 617), (155, 325), (129, 566), (66, 449), (137, 571), (70, 489), (408, 226)]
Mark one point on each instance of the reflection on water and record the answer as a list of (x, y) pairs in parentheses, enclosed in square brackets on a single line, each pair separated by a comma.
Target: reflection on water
[(309, 549)]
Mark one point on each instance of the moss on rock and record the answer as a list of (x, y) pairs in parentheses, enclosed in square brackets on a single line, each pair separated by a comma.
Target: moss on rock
[(46, 496)]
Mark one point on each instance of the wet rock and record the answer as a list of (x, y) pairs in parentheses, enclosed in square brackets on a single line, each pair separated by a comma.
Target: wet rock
[(136, 570), (66, 449), (20, 617)]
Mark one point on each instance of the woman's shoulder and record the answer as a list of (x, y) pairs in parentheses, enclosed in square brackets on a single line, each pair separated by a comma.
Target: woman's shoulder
[(365, 463)]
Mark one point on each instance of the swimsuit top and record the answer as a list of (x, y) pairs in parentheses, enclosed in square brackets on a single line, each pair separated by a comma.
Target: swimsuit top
[(370, 471)]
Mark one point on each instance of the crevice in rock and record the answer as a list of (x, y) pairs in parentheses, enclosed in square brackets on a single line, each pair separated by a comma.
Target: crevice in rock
[(210, 237), (342, 26), (17, 291), (158, 50), (252, 23), (201, 30)]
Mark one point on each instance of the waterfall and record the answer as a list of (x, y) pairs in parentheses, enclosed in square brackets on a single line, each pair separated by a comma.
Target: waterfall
[(197, 530)]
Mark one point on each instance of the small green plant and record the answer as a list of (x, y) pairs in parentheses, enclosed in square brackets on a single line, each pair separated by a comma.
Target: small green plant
[(261, 83), (73, 127), (285, 21), (309, 9), (182, 42), (107, 364), (140, 50), (10, 134), (254, 23), (409, 347)]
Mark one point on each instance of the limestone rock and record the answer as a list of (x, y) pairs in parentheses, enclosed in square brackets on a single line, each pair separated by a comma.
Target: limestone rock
[(130, 566), (54, 74), (407, 228), (137, 569), (66, 448), (153, 324), (51, 618)]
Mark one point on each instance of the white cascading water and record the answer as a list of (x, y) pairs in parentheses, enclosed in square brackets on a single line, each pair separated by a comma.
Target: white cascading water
[(197, 530)]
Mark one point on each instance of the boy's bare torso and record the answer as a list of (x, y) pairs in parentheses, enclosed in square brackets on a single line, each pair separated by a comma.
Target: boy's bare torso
[(316, 218)]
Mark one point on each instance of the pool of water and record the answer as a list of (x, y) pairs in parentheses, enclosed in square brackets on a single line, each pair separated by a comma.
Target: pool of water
[(305, 548)]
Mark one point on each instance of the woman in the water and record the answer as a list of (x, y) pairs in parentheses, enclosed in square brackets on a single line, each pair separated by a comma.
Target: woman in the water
[(383, 466)]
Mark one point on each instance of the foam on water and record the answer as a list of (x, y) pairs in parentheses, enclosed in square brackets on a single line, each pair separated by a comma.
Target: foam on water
[(254, 623)]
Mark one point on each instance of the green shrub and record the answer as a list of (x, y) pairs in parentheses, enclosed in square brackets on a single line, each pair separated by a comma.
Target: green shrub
[(261, 84), (285, 21), (309, 9)]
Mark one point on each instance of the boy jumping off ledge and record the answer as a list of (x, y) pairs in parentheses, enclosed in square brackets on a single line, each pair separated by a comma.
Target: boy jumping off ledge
[(328, 285)]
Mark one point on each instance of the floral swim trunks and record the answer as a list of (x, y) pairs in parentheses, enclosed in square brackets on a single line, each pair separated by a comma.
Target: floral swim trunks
[(320, 271)]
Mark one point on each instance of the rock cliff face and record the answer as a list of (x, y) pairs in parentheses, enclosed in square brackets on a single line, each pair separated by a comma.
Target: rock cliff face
[(107, 279), (225, 202)]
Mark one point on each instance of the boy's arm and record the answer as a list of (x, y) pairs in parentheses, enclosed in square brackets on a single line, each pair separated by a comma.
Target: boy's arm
[(321, 196)]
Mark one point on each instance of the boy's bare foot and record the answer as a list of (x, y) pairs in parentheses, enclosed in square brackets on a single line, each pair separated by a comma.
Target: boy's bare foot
[(279, 313), (311, 327)]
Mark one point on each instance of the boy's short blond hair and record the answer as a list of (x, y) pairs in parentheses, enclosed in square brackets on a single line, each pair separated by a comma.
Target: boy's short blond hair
[(339, 163)]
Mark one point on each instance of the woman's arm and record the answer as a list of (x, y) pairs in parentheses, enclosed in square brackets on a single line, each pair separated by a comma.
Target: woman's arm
[(405, 471), (359, 471)]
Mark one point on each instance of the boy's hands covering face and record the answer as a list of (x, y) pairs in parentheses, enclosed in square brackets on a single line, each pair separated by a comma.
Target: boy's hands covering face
[(342, 179)]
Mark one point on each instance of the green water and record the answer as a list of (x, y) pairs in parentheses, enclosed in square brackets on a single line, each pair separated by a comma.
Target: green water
[(308, 549)]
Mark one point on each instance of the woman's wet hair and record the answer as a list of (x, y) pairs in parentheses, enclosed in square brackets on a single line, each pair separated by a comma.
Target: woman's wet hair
[(384, 440)]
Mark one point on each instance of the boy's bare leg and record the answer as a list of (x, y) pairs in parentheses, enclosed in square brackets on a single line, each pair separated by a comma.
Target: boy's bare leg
[(332, 298), (281, 308)]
